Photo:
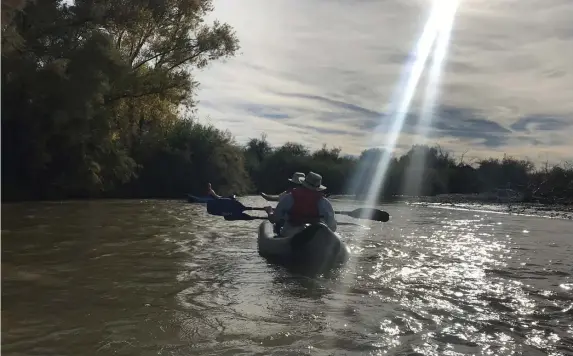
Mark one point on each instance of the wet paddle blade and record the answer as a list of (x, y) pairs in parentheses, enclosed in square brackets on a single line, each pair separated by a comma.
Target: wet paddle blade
[(225, 206), (242, 217)]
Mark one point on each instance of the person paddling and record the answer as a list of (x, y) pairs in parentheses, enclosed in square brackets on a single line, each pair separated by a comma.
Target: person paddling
[(303, 205), (211, 192), (295, 181)]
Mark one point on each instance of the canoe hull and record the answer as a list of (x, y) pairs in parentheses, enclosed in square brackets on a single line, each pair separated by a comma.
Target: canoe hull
[(316, 248)]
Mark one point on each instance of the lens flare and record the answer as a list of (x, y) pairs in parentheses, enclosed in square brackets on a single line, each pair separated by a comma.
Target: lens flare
[(437, 29), (417, 161), (438, 25)]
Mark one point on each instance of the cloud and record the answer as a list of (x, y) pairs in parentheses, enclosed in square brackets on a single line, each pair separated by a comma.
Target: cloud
[(320, 71), (526, 124)]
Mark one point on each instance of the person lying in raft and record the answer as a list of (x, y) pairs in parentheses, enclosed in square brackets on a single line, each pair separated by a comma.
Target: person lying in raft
[(211, 192), (295, 182), (303, 205)]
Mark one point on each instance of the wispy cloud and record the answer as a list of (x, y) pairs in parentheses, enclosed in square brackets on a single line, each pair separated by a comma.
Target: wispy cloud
[(321, 71)]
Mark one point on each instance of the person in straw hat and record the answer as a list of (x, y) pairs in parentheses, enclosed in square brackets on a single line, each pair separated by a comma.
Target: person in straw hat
[(295, 182), (303, 205)]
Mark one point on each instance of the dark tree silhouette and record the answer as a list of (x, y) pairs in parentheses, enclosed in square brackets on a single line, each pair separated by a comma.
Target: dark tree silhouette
[(91, 98)]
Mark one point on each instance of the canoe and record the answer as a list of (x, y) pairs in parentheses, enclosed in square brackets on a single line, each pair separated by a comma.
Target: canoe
[(316, 248), (205, 199)]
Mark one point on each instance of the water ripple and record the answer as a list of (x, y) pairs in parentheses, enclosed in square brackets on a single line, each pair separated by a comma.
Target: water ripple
[(165, 278)]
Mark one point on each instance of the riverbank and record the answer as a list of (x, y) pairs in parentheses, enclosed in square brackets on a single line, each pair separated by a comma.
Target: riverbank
[(450, 201), (529, 209), (131, 277), (476, 202)]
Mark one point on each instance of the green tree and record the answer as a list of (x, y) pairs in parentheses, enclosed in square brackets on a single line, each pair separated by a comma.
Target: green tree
[(93, 89)]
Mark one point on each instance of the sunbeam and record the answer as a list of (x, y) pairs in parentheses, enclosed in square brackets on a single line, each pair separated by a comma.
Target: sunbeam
[(406, 93), (414, 172), (439, 24), (398, 106)]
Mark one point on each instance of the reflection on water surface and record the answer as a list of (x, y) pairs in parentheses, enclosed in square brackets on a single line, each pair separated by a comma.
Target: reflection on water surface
[(165, 278)]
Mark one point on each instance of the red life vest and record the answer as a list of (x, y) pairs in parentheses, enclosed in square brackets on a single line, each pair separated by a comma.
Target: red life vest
[(305, 207)]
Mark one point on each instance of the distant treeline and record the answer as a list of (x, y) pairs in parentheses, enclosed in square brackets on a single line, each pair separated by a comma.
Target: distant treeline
[(92, 96), (422, 170)]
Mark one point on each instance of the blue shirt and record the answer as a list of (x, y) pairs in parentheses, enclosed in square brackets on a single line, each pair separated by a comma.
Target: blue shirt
[(285, 204)]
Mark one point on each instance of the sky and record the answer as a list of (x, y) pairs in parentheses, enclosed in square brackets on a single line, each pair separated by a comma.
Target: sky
[(326, 71)]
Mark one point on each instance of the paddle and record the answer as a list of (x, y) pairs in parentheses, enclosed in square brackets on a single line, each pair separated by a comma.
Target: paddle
[(367, 213), (270, 197), (223, 207), (244, 217), (247, 217)]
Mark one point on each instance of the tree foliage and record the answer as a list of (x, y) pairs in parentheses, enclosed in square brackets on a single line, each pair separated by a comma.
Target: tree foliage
[(437, 172), (92, 95)]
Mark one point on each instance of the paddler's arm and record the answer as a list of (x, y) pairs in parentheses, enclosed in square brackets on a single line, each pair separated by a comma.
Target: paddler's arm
[(212, 192), (327, 212), (268, 197), (282, 209)]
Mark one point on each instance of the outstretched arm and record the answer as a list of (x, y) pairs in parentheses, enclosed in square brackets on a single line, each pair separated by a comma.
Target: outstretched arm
[(212, 193), (271, 197)]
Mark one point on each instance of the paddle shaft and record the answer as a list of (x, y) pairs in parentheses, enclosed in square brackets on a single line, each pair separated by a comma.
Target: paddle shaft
[(263, 209), (357, 213), (343, 212), (352, 213), (251, 208), (338, 223), (234, 207)]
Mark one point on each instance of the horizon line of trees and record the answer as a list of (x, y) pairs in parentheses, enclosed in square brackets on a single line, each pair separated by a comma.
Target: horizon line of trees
[(422, 171), (91, 93)]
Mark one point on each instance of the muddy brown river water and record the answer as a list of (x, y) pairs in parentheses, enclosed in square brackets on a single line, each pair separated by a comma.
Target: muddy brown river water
[(159, 277)]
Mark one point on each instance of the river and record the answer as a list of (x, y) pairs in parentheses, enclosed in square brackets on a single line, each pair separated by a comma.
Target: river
[(155, 277)]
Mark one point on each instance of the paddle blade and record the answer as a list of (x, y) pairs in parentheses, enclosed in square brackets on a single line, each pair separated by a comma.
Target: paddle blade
[(239, 217), (369, 213), (225, 206)]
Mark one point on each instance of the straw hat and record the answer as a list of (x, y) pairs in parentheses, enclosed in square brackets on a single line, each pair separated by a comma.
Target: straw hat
[(313, 181), (297, 178)]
